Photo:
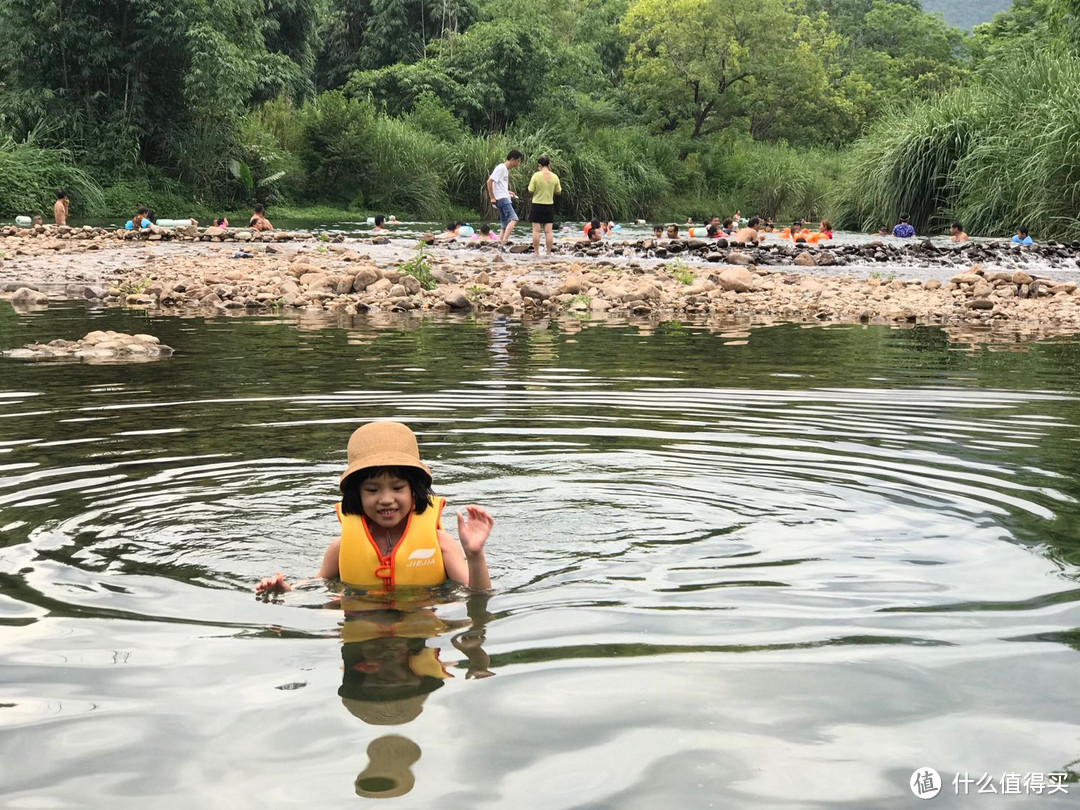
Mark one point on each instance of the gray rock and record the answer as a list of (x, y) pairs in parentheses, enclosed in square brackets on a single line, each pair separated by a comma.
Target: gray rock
[(737, 258), (457, 300), (24, 297), (535, 291), (93, 293)]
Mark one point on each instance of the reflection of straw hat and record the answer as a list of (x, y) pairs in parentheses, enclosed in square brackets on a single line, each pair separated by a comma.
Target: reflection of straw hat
[(383, 444), (385, 712), (389, 773)]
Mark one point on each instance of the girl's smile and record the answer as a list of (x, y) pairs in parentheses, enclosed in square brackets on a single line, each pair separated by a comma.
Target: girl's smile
[(387, 500)]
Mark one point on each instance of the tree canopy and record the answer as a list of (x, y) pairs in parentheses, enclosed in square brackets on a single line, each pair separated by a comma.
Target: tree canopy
[(233, 100)]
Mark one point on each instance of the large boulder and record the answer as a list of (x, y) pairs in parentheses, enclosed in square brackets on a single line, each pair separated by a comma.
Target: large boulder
[(737, 279), (365, 277), (535, 291), (456, 299), (24, 297)]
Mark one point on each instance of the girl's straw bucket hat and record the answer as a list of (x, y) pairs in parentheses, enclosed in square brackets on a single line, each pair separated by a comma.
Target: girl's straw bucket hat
[(383, 444)]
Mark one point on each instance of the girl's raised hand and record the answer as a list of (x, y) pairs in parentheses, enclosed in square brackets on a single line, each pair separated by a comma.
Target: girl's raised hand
[(473, 528)]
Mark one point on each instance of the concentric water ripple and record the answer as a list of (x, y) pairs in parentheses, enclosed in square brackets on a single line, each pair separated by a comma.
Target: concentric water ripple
[(669, 509)]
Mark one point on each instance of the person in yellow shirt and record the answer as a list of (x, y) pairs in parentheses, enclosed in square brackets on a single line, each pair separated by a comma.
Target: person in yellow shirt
[(543, 186)]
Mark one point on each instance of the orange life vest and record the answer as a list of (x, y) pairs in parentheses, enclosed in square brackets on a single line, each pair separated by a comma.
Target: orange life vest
[(416, 561)]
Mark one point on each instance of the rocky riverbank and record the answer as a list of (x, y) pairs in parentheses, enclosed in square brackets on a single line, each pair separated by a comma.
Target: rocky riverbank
[(342, 278), (773, 252)]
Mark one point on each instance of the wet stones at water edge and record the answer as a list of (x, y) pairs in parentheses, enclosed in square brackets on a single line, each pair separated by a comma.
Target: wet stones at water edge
[(109, 346), (776, 252), (984, 288), (54, 236)]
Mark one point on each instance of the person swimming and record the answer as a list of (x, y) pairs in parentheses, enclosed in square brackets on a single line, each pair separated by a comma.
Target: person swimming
[(391, 528)]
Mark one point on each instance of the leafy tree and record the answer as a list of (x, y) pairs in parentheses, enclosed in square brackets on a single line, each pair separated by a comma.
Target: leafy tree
[(692, 63), (373, 34), (489, 76)]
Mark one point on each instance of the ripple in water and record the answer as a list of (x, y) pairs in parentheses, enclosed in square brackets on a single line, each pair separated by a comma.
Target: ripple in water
[(755, 591)]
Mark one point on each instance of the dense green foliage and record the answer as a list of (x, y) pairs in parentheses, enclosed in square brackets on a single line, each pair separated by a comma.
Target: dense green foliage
[(656, 108), (996, 152)]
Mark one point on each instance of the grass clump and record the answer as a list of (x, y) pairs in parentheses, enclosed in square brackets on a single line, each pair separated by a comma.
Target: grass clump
[(681, 273), (420, 268)]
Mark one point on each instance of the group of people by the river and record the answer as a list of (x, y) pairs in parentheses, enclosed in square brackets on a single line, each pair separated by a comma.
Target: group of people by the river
[(544, 187)]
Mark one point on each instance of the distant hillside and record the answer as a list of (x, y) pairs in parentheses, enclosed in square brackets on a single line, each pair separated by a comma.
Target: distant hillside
[(966, 13)]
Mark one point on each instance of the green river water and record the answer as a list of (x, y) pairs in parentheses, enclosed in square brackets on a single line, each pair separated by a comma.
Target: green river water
[(780, 568)]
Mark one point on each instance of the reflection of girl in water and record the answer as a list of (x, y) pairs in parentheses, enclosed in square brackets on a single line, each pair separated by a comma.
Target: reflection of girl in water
[(388, 672), (387, 677)]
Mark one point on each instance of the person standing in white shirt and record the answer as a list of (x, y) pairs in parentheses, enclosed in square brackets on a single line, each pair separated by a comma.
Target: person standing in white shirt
[(501, 195)]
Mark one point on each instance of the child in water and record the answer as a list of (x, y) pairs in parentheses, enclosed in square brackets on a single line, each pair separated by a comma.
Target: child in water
[(1022, 237), (391, 533)]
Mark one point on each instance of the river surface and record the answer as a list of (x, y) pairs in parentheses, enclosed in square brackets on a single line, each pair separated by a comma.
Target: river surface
[(784, 567)]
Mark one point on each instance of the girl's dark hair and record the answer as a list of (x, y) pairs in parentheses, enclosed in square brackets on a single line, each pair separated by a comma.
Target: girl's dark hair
[(544, 161), (417, 479), (451, 226)]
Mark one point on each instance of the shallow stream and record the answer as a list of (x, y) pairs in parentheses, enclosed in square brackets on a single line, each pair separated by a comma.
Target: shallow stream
[(783, 567)]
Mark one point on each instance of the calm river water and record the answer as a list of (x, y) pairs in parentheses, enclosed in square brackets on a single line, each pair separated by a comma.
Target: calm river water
[(781, 568)]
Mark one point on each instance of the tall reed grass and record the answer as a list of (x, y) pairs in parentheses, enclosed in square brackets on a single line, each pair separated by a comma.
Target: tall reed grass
[(1002, 152), (30, 176), (907, 162)]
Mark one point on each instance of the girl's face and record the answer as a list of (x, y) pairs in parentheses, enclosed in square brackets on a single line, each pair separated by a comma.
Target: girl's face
[(387, 500)]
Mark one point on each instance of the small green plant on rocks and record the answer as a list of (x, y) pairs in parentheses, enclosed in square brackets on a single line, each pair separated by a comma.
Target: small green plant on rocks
[(475, 293), (579, 299), (681, 273), (882, 276), (420, 268), (135, 287)]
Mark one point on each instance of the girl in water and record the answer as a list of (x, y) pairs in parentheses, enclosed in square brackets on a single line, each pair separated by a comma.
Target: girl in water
[(391, 532)]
